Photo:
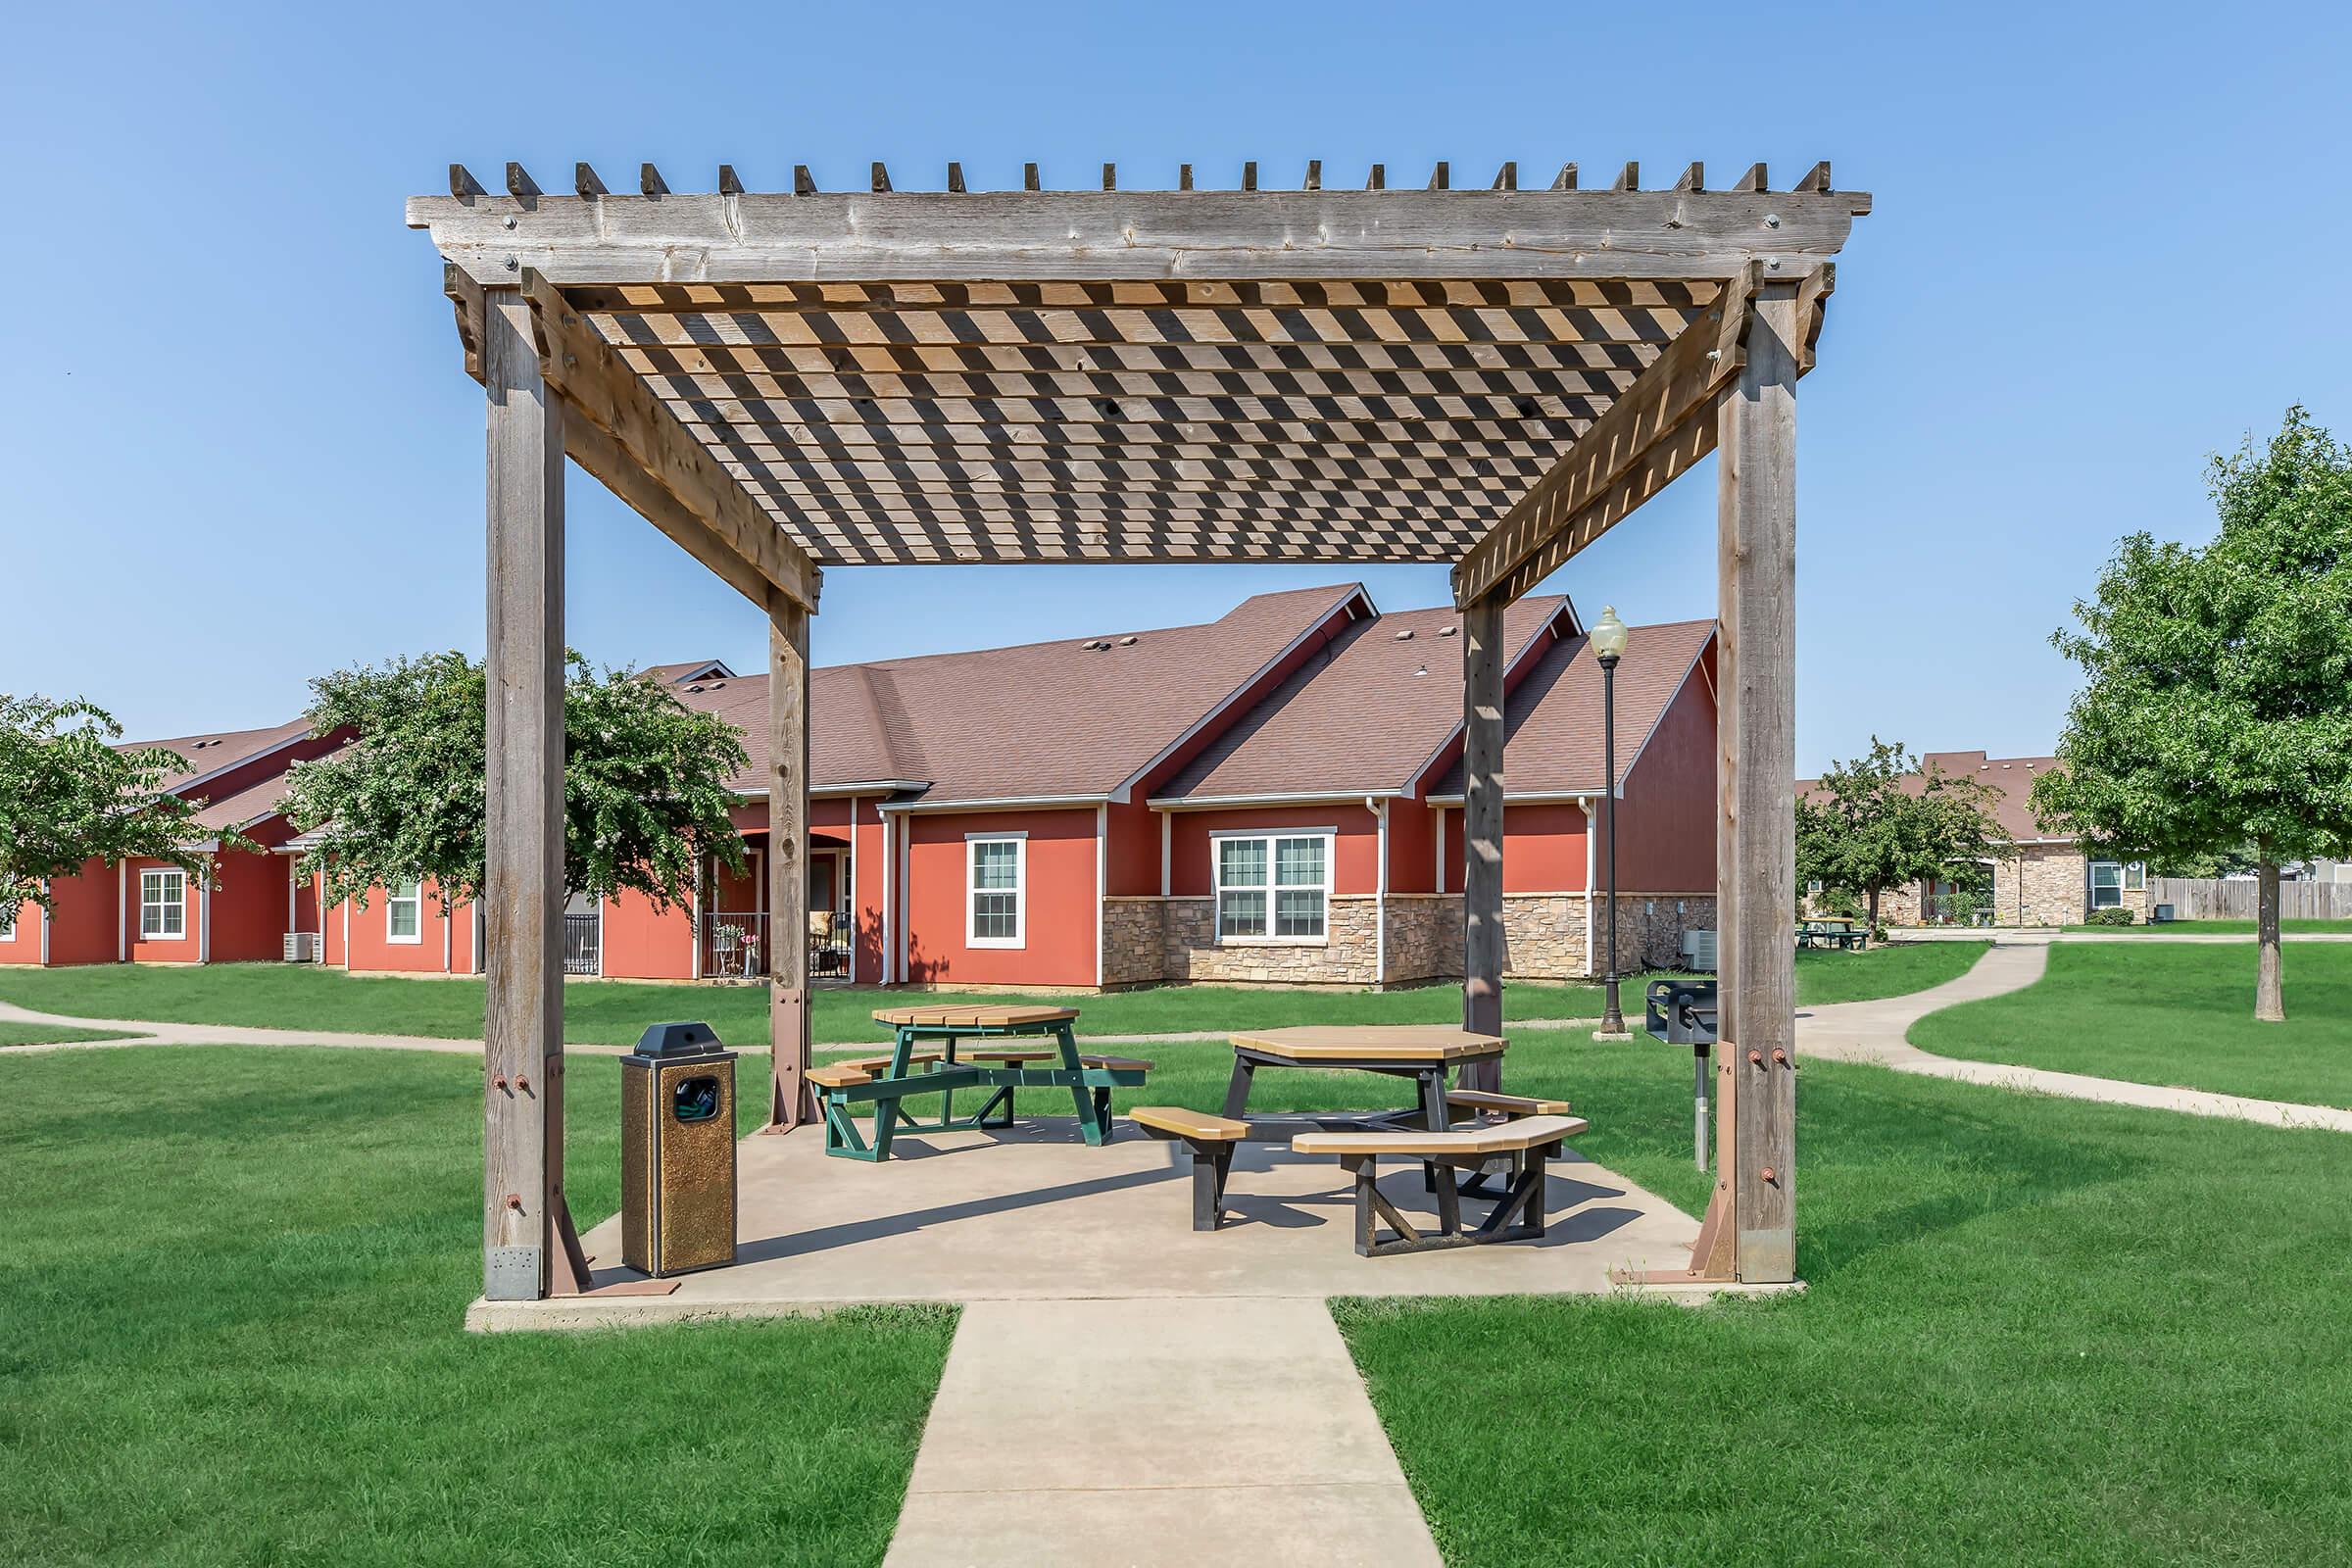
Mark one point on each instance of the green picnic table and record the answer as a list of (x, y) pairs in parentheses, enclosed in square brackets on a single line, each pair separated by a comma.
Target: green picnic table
[(1831, 934), (929, 1055)]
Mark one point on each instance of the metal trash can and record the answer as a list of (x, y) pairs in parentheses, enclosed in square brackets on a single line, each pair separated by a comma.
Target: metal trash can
[(677, 1151)]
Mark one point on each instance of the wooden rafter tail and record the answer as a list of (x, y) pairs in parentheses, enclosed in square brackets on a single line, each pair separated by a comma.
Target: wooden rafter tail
[(1184, 176), (1249, 176), (729, 182), (804, 183), (521, 185), (881, 177), (1442, 177), (1755, 179), (650, 182), (462, 186), (955, 179), (1314, 176), (1694, 178), (633, 442), (1663, 422), (1565, 180), (1629, 179), (1030, 179), (1378, 178), (1111, 177), (1507, 176), (585, 181), (1817, 178)]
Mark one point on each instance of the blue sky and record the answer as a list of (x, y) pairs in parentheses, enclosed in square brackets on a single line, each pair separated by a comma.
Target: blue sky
[(241, 449)]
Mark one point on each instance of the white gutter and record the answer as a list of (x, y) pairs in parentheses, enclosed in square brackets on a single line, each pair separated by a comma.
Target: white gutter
[(1218, 803), (1003, 803), (1380, 895), (1577, 797)]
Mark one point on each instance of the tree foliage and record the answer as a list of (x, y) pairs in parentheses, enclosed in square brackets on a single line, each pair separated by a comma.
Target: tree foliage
[(69, 796), (1881, 820), (2216, 710), (644, 782)]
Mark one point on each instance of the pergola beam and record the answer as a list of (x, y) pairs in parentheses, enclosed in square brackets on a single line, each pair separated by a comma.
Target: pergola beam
[(1618, 462), (709, 512), (930, 236)]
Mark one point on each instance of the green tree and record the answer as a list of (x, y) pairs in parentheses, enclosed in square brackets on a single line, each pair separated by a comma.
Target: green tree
[(1881, 820), (644, 782), (2216, 709), (68, 795)]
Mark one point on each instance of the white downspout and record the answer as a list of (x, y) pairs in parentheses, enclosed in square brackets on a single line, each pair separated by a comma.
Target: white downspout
[(694, 922), (1167, 854), (1586, 801), (1102, 882), (49, 888), (204, 919), (889, 907), (449, 920), (847, 896), (906, 895), (121, 911), (1380, 894)]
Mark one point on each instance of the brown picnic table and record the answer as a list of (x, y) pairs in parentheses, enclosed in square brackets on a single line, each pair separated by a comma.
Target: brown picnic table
[(1423, 1052)]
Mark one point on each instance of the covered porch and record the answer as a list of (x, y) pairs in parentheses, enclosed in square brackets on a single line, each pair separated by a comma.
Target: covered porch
[(1489, 377)]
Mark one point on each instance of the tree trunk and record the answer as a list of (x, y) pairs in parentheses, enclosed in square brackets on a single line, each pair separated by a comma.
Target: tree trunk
[(1870, 926), (2270, 1004)]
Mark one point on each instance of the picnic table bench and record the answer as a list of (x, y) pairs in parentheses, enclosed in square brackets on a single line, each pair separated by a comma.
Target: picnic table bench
[(1831, 934), (1527, 1141), (925, 1059)]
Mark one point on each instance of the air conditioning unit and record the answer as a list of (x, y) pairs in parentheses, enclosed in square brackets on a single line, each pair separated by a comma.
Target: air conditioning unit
[(302, 946)]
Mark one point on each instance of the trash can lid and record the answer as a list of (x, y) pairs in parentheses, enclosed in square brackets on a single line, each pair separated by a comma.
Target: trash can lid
[(678, 1040)]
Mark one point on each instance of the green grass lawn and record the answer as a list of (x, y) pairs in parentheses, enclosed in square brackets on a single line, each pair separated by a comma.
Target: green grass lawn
[(2215, 928), (2179, 1015), (616, 1013), (13, 1033), (234, 1284), (2037, 1331)]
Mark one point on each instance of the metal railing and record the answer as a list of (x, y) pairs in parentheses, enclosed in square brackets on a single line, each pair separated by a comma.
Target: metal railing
[(583, 945), (735, 948)]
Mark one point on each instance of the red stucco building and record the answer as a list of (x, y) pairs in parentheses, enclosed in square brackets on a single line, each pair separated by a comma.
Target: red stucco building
[(1271, 796)]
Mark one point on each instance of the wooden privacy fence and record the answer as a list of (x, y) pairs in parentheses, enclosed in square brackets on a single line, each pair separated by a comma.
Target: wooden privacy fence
[(2214, 899)]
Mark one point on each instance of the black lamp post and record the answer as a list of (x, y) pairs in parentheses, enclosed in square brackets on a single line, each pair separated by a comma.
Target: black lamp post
[(1608, 644)]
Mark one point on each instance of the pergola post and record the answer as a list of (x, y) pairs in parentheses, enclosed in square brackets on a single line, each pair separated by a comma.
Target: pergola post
[(1756, 773), (1481, 830), (523, 1226), (788, 862)]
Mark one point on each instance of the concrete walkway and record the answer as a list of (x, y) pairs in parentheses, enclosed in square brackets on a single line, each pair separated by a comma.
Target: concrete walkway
[(1874, 1031), (1191, 1430)]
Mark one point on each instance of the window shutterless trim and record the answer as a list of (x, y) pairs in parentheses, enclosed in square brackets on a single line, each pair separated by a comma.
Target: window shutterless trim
[(392, 897), (1019, 890), (1271, 887), (164, 876)]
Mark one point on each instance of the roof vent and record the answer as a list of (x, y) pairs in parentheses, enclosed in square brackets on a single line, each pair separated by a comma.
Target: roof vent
[(695, 687), (1095, 644), (1126, 642), (1405, 636), (1448, 631)]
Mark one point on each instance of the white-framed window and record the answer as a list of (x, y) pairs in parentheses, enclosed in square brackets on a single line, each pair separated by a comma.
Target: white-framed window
[(995, 889), (404, 913), (1273, 887), (163, 906), (2135, 876), (2106, 884)]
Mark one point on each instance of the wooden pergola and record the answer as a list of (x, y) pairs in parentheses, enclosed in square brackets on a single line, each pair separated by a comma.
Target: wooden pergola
[(1487, 377)]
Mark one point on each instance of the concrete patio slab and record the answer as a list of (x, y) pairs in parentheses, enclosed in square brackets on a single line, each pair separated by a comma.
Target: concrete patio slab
[(1032, 1214)]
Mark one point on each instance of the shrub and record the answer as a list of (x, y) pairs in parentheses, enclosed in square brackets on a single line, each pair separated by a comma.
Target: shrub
[(2115, 917)]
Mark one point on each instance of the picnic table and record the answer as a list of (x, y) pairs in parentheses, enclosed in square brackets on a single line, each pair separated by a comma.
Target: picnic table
[(1423, 1052), (1831, 934), (929, 1055)]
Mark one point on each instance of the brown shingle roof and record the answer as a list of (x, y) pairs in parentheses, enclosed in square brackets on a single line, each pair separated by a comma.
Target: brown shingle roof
[(1363, 717), (2008, 777), (1042, 720), (1552, 742), (208, 755)]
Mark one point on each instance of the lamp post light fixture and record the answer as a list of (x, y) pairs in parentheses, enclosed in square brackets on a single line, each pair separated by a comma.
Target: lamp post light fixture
[(1607, 637)]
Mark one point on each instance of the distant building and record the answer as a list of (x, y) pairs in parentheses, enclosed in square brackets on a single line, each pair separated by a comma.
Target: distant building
[(2051, 879)]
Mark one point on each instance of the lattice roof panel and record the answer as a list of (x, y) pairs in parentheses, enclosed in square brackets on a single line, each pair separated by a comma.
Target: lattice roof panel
[(1374, 376)]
